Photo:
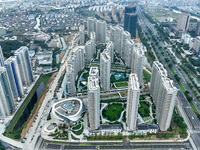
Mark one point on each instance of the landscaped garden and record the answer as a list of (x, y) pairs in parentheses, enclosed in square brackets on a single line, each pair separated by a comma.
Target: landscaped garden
[(112, 112), (144, 109), (121, 84)]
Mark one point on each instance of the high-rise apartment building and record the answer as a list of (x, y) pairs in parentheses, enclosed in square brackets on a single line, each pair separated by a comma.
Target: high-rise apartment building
[(183, 21), (101, 31), (89, 50), (130, 20), (166, 99), (198, 28), (158, 72), (105, 66), (24, 64), (164, 95), (126, 36), (94, 72), (94, 102), (82, 34), (129, 51), (6, 95), (138, 61), (118, 38), (132, 101), (14, 76), (91, 25), (70, 78), (110, 50), (1, 57), (112, 33)]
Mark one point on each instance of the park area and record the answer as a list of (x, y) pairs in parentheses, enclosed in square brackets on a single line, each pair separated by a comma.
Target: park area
[(112, 112)]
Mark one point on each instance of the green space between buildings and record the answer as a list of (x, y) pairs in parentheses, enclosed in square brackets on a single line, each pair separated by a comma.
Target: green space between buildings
[(9, 130), (121, 84), (112, 112), (147, 76)]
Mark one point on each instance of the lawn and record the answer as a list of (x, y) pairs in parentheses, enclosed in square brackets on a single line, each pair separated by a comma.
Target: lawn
[(111, 100), (76, 127), (16, 134), (79, 132), (112, 112), (147, 76), (85, 76), (124, 94), (110, 95), (144, 109), (182, 88), (173, 72), (121, 84), (194, 108)]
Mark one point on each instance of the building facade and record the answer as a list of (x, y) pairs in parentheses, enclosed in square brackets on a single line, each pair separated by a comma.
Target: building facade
[(82, 34), (183, 22), (1, 58), (164, 95), (101, 31), (105, 66), (138, 61), (6, 97), (25, 66), (132, 102), (91, 25), (14, 76)]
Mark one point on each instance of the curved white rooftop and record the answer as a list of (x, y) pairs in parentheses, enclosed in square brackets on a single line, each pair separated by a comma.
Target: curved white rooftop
[(70, 108)]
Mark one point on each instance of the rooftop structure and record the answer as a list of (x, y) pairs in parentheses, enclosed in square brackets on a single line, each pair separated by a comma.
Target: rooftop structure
[(68, 110)]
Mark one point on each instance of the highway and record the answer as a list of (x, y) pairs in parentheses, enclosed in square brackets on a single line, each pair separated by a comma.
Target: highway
[(191, 116), (124, 146)]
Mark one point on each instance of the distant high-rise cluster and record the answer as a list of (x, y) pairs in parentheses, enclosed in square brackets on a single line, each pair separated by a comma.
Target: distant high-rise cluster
[(183, 22), (130, 20), (164, 95), (99, 26), (133, 54), (15, 73)]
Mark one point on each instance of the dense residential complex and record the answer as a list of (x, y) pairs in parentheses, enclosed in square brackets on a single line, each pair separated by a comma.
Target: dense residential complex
[(6, 96), (94, 102), (132, 101), (105, 66), (14, 76), (183, 22), (164, 95), (25, 67)]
